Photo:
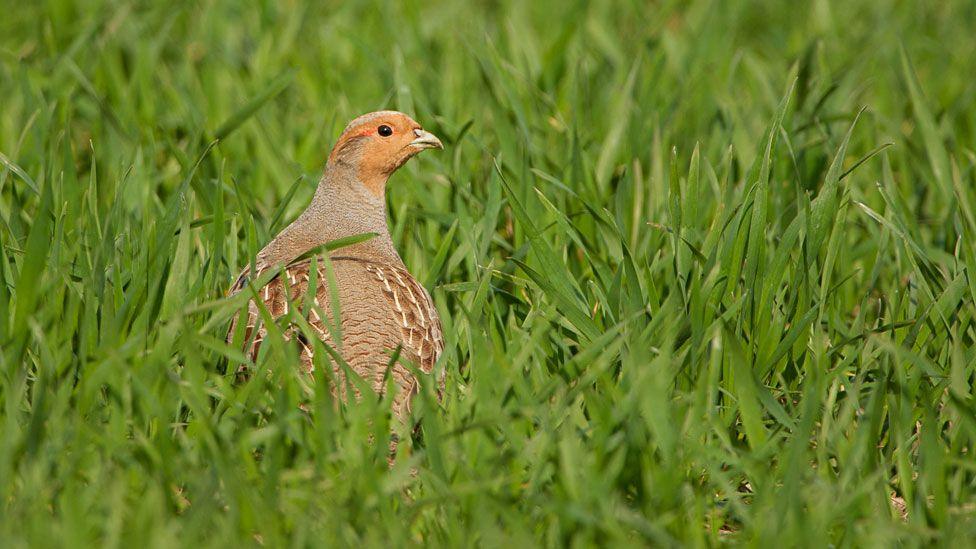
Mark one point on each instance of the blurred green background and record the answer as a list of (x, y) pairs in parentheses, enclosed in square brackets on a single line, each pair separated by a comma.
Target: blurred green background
[(687, 300)]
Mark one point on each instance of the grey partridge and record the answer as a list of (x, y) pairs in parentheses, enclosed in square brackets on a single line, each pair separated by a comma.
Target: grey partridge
[(381, 307)]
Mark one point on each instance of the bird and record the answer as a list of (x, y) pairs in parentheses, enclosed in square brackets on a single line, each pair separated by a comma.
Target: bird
[(384, 313)]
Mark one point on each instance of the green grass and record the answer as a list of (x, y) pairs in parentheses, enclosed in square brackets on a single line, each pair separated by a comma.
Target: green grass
[(690, 296)]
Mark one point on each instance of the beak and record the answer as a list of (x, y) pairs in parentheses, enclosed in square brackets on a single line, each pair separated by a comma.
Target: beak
[(426, 140)]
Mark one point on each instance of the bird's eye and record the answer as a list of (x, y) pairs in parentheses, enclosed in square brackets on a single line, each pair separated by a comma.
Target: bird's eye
[(384, 130)]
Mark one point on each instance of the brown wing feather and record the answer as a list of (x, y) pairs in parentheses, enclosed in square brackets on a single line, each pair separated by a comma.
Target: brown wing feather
[(420, 325), (273, 296)]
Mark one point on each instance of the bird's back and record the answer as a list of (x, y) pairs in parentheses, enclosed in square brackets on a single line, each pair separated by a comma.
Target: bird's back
[(381, 308)]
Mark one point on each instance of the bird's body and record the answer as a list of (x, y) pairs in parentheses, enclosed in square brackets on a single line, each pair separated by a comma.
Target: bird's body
[(385, 317), (381, 308)]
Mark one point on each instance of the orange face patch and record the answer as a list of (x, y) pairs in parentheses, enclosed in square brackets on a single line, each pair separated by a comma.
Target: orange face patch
[(375, 156)]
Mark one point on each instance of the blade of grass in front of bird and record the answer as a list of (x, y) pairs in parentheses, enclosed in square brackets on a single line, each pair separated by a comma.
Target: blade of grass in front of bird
[(219, 346)]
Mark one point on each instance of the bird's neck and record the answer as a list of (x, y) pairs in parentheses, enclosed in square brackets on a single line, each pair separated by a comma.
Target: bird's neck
[(342, 207)]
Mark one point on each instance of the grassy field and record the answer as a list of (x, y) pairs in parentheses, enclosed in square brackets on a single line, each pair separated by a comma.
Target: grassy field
[(707, 272)]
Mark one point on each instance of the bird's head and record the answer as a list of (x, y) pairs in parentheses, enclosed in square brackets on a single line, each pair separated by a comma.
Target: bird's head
[(376, 144)]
